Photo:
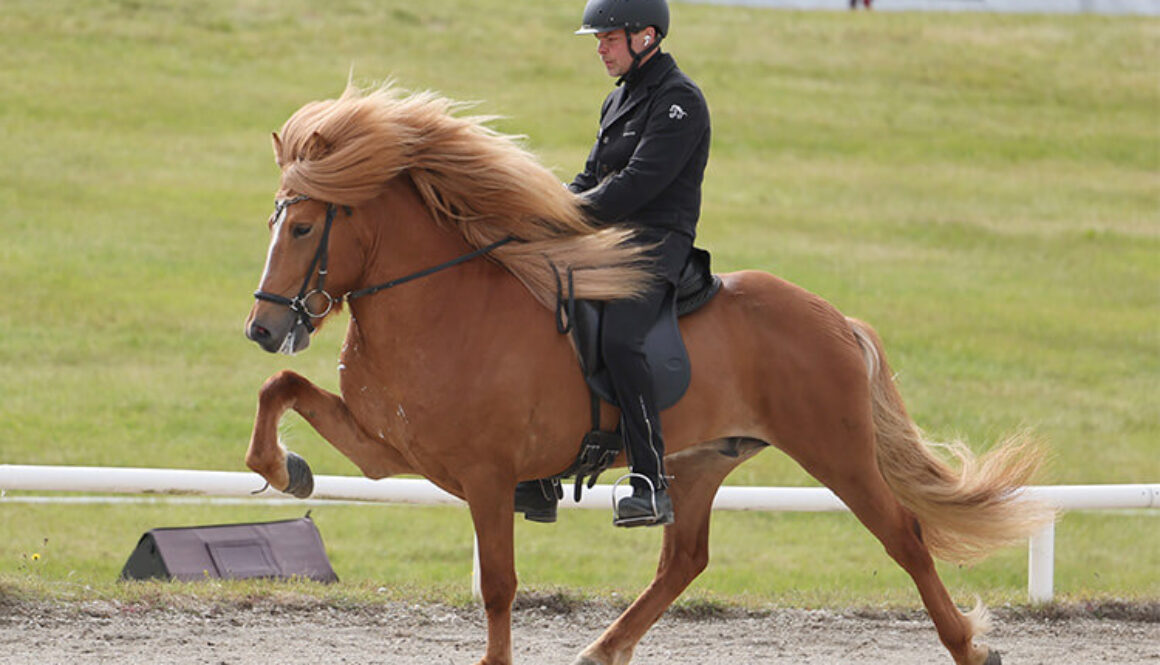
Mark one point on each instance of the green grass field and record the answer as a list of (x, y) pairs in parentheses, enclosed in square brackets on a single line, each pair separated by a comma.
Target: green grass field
[(984, 189)]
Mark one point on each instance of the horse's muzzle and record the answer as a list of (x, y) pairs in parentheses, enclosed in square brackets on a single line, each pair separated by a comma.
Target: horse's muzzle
[(263, 336), (289, 337)]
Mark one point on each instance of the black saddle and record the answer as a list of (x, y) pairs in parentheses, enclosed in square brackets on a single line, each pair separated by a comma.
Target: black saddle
[(667, 358)]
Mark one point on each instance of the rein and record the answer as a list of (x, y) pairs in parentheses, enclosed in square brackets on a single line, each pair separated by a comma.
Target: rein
[(298, 304), (371, 290)]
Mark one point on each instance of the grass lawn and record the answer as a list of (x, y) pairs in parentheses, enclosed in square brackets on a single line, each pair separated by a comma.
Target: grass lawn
[(984, 189)]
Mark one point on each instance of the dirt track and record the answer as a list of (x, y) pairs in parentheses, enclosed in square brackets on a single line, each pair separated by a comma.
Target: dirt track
[(402, 634)]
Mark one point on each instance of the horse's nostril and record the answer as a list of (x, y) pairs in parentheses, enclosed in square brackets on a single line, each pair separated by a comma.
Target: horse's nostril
[(257, 333)]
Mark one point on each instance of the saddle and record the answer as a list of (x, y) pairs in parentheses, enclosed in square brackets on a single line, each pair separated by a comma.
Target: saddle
[(665, 349), (667, 357)]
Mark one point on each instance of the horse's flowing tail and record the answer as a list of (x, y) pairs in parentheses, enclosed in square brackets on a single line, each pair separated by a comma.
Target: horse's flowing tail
[(967, 512)]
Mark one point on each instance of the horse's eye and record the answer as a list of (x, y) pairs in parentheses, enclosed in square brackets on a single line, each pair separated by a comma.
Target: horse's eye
[(301, 230)]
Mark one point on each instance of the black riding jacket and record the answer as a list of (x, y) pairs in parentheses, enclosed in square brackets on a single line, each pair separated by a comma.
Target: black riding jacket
[(650, 154)]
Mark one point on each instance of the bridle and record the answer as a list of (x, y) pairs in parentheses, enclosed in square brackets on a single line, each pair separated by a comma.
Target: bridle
[(299, 303)]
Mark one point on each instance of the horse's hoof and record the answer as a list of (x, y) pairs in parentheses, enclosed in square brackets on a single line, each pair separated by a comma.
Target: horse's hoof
[(302, 479), (993, 658), (583, 660)]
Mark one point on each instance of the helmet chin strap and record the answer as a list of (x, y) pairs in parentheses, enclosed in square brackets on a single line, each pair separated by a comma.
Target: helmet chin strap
[(636, 57)]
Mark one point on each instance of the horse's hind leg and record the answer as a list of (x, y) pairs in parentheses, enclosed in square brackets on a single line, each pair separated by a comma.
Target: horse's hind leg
[(697, 473), (328, 414), (853, 475), (875, 506)]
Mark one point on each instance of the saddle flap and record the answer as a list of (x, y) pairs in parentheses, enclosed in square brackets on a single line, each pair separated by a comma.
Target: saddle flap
[(665, 349), (667, 357), (585, 323)]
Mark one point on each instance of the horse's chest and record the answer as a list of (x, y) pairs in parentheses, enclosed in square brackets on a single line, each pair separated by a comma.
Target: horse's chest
[(391, 404), (374, 401)]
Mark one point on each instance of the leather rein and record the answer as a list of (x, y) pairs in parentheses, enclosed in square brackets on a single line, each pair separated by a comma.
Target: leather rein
[(298, 304)]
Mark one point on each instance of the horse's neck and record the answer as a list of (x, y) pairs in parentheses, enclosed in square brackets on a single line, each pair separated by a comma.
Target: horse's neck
[(404, 239)]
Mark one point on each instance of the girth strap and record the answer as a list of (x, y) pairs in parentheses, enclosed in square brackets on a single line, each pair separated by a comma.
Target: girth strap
[(598, 451)]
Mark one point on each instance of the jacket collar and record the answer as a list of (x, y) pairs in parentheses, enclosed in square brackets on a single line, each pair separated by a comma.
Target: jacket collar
[(648, 77), (649, 73)]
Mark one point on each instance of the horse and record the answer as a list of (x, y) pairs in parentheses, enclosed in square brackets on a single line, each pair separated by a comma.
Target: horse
[(445, 238)]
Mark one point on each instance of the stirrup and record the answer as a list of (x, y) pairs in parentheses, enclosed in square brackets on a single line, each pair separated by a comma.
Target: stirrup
[(638, 520)]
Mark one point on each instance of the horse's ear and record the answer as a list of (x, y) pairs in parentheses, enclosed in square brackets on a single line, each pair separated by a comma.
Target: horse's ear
[(277, 148), (315, 148)]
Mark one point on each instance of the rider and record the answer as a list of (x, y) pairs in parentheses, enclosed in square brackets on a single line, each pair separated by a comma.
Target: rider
[(645, 170)]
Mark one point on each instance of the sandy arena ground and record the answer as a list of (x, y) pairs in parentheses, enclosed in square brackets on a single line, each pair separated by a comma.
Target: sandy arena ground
[(403, 634)]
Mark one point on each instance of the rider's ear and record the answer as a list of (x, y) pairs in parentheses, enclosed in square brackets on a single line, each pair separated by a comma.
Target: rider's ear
[(277, 149), (316, 148)]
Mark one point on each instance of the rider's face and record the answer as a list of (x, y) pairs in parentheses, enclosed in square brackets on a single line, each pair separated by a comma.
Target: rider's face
[(613, 49)]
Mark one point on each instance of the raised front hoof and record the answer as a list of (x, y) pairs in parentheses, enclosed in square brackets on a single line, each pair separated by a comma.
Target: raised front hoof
[(301, 478), (993, 658)]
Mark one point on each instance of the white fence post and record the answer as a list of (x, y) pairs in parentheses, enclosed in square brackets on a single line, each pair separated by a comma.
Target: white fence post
[(476, 582), (1041, 565)]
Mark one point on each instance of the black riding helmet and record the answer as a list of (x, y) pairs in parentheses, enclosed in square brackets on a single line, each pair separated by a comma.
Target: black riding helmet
[(630, 15)]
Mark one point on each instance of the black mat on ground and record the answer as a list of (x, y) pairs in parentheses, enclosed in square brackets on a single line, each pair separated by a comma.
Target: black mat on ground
[(282, 550)]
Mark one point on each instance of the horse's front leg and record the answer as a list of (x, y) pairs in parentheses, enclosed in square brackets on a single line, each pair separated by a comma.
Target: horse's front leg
[(491, 500), (329, 415), (697, 473)]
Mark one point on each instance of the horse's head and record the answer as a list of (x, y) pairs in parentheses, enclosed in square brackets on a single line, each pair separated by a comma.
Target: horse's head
[(293, 298)]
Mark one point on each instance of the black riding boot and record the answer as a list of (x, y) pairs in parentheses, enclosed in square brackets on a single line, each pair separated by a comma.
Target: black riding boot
[(649, 504), (537, 500), (645, 507)]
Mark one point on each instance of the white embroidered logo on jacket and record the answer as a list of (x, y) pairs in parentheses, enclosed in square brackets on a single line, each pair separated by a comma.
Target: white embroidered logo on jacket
[(676, 112)]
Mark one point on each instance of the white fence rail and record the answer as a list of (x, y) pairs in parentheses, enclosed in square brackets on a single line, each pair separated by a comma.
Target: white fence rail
[(187, 483)]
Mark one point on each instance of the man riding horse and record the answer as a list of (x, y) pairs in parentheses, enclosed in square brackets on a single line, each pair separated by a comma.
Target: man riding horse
[(644, 171), (379, 190)]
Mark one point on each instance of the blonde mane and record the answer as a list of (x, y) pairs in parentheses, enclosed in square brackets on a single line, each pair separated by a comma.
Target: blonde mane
[(471, 178)]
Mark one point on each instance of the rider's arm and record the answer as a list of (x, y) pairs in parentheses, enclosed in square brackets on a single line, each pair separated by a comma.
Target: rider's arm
[(587, 179), (677, 121)]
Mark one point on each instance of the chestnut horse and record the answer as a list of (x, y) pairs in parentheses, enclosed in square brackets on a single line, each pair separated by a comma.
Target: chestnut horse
[(458, 373)]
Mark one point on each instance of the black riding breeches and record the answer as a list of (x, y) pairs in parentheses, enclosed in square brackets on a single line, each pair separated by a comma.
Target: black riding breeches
[(626, 322)]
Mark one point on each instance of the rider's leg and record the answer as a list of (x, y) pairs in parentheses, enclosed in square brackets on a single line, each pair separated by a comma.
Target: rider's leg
[(624, 348), (625, 324), (624, 327)]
